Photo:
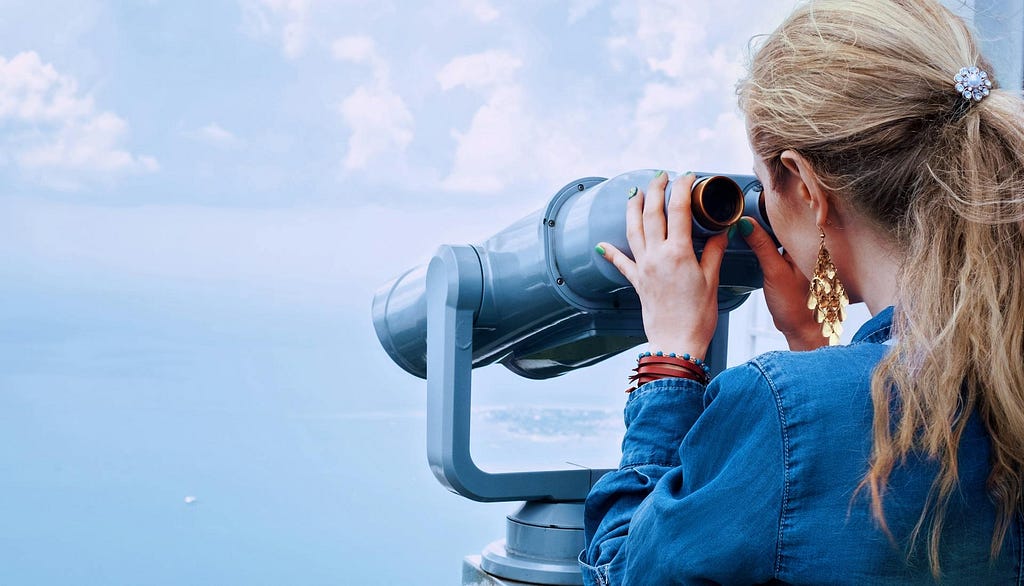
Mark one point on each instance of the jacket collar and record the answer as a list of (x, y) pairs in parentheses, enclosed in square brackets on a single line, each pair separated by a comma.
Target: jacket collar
[(877, 330)]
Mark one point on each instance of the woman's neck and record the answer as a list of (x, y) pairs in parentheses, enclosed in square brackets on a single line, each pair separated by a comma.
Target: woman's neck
[(868, 263)]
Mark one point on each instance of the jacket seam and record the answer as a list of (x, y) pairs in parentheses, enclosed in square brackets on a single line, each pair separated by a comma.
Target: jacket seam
[(1020, 547), (870, 336), (628, 467), (784, 432), (884, 329), (669, 386)]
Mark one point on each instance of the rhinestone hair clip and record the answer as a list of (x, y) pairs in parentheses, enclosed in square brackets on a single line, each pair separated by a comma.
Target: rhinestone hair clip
[(972, 83)]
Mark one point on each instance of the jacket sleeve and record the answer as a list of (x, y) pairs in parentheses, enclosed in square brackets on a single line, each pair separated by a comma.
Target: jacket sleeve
[(699, 493)]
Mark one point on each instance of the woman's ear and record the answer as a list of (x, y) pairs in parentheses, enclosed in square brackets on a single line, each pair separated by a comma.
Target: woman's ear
[(803, 186)]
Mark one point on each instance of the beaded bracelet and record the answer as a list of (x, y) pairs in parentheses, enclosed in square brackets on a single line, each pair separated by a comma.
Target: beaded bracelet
[(650, 367)]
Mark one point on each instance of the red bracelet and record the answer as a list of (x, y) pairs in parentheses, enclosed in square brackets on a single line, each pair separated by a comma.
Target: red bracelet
[(650, 367)]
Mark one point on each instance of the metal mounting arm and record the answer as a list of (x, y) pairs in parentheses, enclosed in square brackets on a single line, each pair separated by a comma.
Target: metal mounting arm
[(454, 291)]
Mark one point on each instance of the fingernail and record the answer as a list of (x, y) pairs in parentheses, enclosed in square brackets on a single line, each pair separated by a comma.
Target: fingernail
[(632, 192), (659, 174), (688, 173), (731, 231), (599, 249), (746, 227)]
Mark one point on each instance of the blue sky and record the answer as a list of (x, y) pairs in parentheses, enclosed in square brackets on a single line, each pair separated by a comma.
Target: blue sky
[(305, 151), (293, 155), (198, 200), (304, 102)]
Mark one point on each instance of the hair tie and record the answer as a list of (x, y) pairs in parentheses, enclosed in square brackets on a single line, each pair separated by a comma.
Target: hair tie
[(972, 83)]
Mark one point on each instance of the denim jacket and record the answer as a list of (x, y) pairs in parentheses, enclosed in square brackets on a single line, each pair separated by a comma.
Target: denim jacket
[(755, 480)]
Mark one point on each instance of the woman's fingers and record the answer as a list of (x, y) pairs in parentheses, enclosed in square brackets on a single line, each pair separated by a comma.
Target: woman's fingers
[(711, 257), (634, 221), (654, 209), (765, 249), (785, 291), (619, 260), (680, 218)]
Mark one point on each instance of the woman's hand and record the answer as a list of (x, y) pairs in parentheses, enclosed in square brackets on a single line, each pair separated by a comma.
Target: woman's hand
[(785, 290), (678, 293)]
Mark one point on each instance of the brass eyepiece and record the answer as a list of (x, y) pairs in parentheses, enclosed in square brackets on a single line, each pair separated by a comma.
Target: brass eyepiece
[(717, 202)]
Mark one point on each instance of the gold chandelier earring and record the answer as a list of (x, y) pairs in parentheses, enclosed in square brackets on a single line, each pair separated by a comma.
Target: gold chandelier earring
[(828, 298)]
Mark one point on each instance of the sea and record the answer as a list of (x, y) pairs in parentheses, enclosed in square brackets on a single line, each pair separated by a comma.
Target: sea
[(155, 437)]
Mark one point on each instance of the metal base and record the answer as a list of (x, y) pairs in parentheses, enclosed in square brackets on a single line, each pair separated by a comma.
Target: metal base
[(473, 575), (541, 546)]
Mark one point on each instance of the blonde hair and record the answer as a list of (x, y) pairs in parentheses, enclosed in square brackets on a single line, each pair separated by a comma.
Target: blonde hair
[(863, 89)]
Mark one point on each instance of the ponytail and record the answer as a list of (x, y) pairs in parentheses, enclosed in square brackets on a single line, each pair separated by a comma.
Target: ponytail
[(959, 327)]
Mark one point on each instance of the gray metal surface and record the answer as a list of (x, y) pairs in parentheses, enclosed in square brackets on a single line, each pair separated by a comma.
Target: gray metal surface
[(453, 284), (542, 545), (547, 302), (474, 575), (454, 289)]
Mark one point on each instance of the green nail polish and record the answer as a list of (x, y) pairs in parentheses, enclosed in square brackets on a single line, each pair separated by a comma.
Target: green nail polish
[(746, 227), (731, 231), (632, 192), (599, 249), (659, 174)]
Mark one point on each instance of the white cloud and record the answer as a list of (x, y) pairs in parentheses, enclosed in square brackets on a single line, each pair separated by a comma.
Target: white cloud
[(294, 38), (512, 140), (495, 147), (681, 116), (51, 127), (676, 70), (690, 64), (380, 123), (704, 43), (88, 144), (482, 10), (479, 71), (216, 135), (361, 50), (671, 40), (378, 118), (578, 9), (357, 49), (287, 19), (301, 26), (658, 101), (494, 150)]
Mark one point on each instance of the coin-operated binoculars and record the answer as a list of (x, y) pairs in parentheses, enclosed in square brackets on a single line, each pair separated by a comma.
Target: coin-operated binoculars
[(537, 299)]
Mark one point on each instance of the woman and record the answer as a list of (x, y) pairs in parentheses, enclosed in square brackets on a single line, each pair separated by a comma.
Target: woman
[(899, 457)]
